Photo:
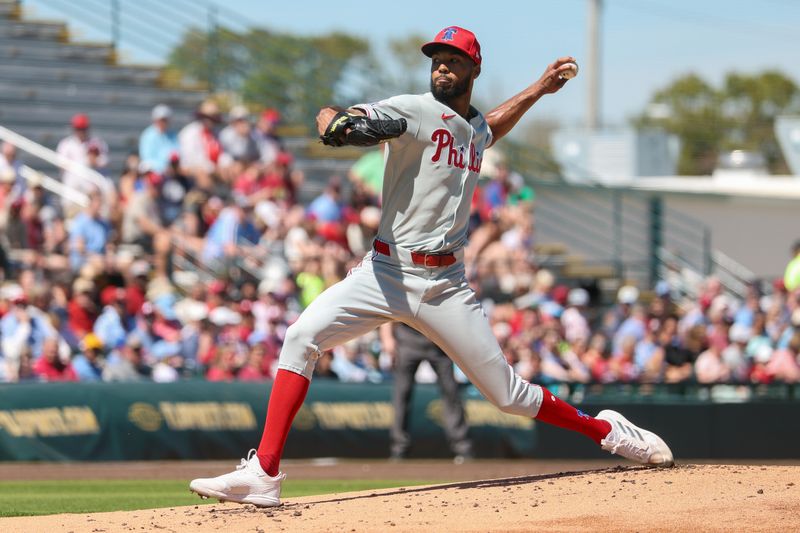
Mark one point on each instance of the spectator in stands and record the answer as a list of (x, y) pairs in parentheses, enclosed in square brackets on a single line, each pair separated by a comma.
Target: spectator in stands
[(267, 140), (7, 199), (199, 146), (254, 368), (622, 363), (224, 366), (89, 233), (82, 309), (634, 326), (367, 172), (141, 221), (309, 281), (50, 366), (791, 276), (175, 188), (23, 327), (9, 160), (75, 147), (734, 355), (784, 364), (110, 326), (681, 351), (710, 368), (328, 206), (237, 140), (127, 363), (627, 296), (88, 364), (231, 234), (158, 141), (573, 319)]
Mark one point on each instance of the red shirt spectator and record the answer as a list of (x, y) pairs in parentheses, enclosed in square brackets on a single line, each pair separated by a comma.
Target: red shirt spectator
[(81, 308), (50, 367)]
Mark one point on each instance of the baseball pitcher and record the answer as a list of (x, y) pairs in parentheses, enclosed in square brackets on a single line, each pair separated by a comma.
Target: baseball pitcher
[(415, 271)]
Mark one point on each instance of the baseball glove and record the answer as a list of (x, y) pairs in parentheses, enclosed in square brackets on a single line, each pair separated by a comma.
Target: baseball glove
[(357, 130)]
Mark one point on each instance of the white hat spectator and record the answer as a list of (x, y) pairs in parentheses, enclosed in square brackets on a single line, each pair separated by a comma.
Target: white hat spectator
[(161, 112), (189, 310), (186, 279), (11, 292), (238, 112), (578, 297), (269, 213), (739, 333), (628, 294), (763, 353), (223, 316)]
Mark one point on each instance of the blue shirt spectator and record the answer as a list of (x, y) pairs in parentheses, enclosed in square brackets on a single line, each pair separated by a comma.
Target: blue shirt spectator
[(109, 328), (87, 364), (88, 233), (229, 229), (157, 142), (327, 207), (24, 327)]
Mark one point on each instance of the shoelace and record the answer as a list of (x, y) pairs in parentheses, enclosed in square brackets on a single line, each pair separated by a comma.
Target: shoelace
[(244, 462)]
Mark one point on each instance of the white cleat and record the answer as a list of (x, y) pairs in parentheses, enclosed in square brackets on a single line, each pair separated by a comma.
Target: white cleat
[(247, 484), (633, 442)]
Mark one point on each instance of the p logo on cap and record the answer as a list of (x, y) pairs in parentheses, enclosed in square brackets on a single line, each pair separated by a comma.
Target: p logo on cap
[(456, 37)]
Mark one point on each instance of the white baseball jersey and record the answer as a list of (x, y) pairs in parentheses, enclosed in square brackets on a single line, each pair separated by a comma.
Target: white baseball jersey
[(430, 172)]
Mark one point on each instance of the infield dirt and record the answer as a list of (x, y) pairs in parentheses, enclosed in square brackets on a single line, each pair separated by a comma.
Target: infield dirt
[(684, 498)]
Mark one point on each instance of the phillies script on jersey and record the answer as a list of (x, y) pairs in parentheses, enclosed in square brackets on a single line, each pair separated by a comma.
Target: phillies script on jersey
[(455, 154)]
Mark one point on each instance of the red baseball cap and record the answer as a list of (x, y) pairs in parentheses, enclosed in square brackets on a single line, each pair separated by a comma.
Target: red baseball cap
[(80, 121), (459, 38), (271, 115)]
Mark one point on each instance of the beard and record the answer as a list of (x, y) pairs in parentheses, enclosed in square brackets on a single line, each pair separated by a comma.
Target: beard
[(446, 94)]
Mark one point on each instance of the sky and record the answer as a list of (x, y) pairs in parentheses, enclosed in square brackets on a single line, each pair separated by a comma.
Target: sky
[(645, 44)]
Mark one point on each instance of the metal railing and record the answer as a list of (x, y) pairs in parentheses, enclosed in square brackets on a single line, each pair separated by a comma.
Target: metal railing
[(625, 228), (103, 184)]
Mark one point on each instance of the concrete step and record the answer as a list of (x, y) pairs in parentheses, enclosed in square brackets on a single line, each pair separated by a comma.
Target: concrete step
[(588, 271), (47, 68), (111, 117), (45, 30), (94, 94), (551, 248), (55, 51), (31, 75)]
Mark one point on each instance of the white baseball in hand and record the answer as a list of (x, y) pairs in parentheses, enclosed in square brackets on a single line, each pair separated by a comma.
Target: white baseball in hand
[(571, 73)]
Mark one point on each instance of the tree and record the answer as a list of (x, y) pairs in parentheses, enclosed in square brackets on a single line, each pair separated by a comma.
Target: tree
[(740, 115), (296, 74)]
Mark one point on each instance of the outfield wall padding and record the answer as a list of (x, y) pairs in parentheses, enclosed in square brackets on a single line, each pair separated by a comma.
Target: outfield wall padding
[(202, 420)]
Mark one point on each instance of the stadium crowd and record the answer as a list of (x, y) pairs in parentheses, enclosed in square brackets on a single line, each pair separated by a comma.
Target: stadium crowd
[(194, 261)]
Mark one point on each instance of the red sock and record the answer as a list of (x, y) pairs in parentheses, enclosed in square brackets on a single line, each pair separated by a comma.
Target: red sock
[(288, 393), (560, 413)]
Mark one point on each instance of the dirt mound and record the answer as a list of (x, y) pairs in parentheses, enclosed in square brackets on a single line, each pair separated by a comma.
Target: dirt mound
[(689, 497)]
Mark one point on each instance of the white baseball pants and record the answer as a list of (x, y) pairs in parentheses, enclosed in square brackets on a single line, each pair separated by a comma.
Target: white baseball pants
[(438, 302)]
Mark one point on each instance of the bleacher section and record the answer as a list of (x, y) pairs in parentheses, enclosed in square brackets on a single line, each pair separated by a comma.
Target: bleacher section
[(45, 78)]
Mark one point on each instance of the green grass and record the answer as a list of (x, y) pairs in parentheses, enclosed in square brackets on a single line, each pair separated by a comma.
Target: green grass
[(29, 498)]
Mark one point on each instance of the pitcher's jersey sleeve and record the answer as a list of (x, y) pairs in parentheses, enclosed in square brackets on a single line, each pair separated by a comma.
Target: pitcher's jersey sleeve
[(405, 106)]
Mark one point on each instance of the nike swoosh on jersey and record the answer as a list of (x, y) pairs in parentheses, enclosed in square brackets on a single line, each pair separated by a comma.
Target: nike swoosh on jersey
[(445, 116)]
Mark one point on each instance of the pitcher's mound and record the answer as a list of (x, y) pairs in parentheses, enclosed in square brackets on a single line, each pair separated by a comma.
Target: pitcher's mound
[(684, 498)]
